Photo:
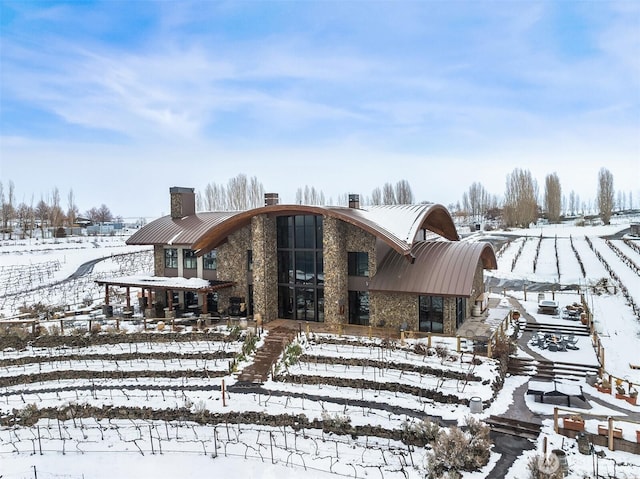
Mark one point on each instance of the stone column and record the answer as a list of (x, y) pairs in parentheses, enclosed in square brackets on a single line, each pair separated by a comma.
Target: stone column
[(335, 272), (265, 267)]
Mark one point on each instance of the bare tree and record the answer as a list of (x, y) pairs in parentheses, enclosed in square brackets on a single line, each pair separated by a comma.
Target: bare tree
[(388, 194), (521, 199), (241, 193), (42, 215), (404, 195), (56, 215), (309, 196), (104, 214), (376, 196), (552, 197), (72, 209), (25, 217), (7, 208), (605, 195)]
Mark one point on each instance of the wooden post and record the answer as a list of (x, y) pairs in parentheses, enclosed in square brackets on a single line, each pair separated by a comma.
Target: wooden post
[(555, 420), (489, 347), (117, 323), (205, 306), (610, 433), (429, 340), (369, 331), (553, 292), (106, 294), (128, 298), (458, 344), (224, 401), (61, 327), (524, 288), (402, 337), (307, 330)]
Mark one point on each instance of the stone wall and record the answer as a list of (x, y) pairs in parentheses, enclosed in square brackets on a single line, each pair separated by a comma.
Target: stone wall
[(358, 240), (265, 267), (390, 310), (335, 271), (158, 260), (232, 266)]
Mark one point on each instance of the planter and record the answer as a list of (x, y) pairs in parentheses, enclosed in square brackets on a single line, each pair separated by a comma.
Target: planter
[(573, 424), (631, 399), (604, 431), (638, 436), (604, 390)]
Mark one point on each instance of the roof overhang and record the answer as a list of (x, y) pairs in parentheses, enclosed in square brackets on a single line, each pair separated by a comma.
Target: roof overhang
[(435, 218), (167, 283)]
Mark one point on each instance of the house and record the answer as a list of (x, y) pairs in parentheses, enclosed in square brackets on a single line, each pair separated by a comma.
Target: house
[(400, 266)]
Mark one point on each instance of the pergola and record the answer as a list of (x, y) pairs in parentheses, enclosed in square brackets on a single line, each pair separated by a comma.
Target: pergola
[(169, 284)]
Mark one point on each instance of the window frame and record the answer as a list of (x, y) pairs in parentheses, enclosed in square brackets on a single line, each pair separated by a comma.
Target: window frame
[(188, 258), (208, 259), (171, 258)]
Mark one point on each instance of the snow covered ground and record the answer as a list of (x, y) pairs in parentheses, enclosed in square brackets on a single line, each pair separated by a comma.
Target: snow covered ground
[(153, 448)]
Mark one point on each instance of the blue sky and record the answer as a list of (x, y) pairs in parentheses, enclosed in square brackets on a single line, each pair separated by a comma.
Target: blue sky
[(120, 100)]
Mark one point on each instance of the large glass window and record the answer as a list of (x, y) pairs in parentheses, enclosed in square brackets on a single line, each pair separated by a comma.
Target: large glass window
[(170, 258), (461, 311), (358, 263), (210, 260), (431, 314), (190, 260), (300, 267), (359, 307)]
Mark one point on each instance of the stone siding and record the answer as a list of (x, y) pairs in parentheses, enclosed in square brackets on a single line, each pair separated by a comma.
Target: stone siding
[(358, 240), (390, 310), (265, 267), (334, 250), (232, 266), (158, 260)]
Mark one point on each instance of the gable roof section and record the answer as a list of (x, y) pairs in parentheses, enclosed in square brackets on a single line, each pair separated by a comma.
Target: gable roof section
[(178, 231), (441, 268)]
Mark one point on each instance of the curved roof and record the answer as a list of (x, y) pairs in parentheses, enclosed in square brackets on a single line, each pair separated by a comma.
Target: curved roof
[(396, 225), (182, 231), (440, 268)]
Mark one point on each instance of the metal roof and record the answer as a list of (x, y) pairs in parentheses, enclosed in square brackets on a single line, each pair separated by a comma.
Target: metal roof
[(178, 231), (396, 225), (440, 268)]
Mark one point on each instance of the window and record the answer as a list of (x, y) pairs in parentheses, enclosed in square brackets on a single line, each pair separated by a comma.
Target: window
[(358, 264), (461, 311), (431, 314), (359, 307), (210, 260), (170, 258), (190, 261), (300, 267)]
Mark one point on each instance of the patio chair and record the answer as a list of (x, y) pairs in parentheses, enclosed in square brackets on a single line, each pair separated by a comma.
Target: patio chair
[(561, 345), (571, 342), (552, 346)]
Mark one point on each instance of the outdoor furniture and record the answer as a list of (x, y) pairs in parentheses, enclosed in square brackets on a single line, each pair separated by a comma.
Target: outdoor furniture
[(555, 389), (571, 342)]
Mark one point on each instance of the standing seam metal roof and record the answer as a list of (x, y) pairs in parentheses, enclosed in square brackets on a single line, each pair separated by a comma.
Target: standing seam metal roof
[(440, 268)]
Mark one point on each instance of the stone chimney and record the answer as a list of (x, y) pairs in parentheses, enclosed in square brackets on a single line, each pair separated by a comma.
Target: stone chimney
[(183, 201), (271, 199), (354, 201)]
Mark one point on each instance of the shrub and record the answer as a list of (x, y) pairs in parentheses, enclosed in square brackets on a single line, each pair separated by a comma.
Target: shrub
[(425, 430), (455, 451)]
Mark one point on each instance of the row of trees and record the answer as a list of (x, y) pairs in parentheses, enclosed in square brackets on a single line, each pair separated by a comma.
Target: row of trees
[(242, 193), (46, 213), (522, 204)]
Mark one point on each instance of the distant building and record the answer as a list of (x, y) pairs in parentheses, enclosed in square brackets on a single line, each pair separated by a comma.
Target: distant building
[(399, 266)]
